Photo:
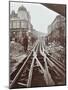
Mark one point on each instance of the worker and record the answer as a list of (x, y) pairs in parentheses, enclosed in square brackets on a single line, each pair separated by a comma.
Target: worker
[(25, 42)]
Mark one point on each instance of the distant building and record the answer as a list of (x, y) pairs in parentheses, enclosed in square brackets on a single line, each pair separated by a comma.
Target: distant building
[(56, 31), (20, 22), (58, 22)]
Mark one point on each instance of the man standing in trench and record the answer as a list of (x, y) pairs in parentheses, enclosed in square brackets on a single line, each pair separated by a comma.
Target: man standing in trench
[(25, 42)]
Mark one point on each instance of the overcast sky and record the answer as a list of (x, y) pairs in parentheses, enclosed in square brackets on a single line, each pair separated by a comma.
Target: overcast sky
[(41, 16)]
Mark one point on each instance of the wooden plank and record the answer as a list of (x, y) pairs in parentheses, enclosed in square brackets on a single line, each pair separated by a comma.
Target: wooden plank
[(22, 84), (30, 74), (45, 74), (51, 64), (17, 75), (37, 48), (50, 80), (56, 67), (55, 61), (54, 58)]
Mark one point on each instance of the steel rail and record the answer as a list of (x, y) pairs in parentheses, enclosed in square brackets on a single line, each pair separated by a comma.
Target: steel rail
[(57, 66), (50, 80), (17, 75), (31, 68), (52, 56)]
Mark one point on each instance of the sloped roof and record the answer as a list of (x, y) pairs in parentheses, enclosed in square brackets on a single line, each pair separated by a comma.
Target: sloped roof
[(21, 8)]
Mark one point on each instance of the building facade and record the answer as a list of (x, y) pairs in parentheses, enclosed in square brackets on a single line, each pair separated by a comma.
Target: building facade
[(56, 31), (20, 22), (58, 22)]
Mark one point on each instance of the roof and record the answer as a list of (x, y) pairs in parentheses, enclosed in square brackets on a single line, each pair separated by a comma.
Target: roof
[(13, 14), (21, 8)]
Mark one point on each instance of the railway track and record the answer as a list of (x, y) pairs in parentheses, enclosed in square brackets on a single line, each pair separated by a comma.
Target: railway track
[(38, 69)]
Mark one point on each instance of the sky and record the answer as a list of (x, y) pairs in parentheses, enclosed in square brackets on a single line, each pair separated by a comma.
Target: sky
[(41, 16)]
